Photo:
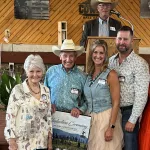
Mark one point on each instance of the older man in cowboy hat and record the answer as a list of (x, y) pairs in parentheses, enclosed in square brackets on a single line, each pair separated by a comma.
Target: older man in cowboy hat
[(66, 81), (104, 25)]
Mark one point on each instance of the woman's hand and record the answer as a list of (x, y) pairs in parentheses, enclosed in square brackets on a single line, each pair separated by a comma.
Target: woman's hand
[(12, 144), (50, 144), (50, 141), (109, 134)]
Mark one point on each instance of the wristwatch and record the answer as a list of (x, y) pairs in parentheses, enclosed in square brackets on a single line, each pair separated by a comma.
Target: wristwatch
[(112, 126)]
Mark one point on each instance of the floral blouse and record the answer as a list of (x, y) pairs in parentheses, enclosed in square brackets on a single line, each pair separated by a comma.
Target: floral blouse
[(28, 119)]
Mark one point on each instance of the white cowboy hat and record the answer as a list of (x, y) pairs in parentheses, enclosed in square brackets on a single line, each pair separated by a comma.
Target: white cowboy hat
[(113, 3), (68, 46)]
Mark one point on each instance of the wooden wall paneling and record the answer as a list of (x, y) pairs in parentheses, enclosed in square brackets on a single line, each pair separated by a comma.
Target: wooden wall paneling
[(52, 23), (18, 30), (28, 29), (5, 5), (37, 33), (130, 15), (5, 24), (142, 24), (124, 12), (23, 30), (62, 9), (5, 21), (36, 30), (14, 29), (66, 13), (145, 22), (74, 24), (76, 34), (45, 31)]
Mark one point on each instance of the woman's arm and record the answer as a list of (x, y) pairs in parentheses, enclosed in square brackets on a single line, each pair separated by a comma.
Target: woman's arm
[(114, 85), (49, 121), (11, 114)]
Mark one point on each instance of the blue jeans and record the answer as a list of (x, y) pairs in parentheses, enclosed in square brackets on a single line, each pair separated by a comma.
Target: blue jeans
[(130, 138)]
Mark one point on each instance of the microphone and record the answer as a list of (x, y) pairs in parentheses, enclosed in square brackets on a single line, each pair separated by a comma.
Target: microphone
[(115, 12), (119, 16)]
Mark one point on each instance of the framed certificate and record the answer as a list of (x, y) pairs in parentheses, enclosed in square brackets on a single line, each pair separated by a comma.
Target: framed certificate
[(70, 133)]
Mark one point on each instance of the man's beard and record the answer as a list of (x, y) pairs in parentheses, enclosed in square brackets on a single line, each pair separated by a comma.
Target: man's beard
[(122, 50)]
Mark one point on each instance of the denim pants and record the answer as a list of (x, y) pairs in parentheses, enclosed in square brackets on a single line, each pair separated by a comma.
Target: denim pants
[(130, 138)]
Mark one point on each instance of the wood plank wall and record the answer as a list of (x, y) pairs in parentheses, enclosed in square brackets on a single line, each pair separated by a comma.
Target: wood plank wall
[(46, 31)]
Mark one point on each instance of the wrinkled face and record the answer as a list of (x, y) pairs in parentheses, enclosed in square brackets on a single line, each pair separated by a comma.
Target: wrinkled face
[(98, 56), (68, 59), (104, 9), (124, 41), (34, 74)]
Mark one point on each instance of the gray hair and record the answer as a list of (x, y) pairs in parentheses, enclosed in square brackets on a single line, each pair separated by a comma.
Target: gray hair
[(34, 61)]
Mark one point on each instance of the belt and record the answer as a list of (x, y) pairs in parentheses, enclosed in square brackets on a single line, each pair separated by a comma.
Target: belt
[(126, 107)]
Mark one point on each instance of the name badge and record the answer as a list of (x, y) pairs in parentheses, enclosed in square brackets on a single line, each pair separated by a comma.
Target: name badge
[(122, 78), (112, 29), (44, 97), (102, 81), (74, 91)]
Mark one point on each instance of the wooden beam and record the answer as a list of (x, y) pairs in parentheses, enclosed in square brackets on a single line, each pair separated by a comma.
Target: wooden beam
[(48, 57)]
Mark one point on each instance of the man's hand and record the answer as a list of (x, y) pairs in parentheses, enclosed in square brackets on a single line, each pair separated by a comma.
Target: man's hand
[(75, 112), (12, 144), (129, 126), (53, 108)]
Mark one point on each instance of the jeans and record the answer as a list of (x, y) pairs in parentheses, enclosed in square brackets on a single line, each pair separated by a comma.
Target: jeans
[(130, 138)]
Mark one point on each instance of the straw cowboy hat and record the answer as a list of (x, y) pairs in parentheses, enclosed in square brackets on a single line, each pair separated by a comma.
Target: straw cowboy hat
[(113, 3), (68, 46)]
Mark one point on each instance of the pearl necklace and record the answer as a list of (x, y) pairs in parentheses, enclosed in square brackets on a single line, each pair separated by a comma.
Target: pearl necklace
[(32, 90)]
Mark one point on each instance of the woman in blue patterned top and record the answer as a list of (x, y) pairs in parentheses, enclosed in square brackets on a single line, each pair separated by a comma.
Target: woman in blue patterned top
[(102, 91)]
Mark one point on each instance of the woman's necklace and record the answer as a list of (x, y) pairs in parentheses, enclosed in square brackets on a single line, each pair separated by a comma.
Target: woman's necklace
[(32, 90)]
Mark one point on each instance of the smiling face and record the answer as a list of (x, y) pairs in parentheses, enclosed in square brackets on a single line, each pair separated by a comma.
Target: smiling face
[(68, 59), (124, 42), (104, 10), (98, 56), (34, 75)]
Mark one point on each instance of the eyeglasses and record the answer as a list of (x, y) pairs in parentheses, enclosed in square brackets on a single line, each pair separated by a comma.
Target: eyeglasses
[(104, 5)]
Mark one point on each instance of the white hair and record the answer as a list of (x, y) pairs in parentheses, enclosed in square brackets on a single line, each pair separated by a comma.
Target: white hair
[(34, 61)]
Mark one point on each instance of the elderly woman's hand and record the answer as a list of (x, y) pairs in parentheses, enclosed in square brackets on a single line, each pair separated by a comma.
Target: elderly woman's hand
[(50, 144), (50, 141), (12, 144)]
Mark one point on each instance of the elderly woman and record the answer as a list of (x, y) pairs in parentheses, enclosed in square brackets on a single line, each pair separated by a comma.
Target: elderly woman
[(102, 91), (28, 116)]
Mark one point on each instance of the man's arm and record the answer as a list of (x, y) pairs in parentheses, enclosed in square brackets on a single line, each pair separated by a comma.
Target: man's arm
[(141, 91), (84, 35)]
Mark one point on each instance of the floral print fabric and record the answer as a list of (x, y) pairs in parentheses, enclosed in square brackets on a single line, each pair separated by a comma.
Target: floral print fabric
[(28, 119)]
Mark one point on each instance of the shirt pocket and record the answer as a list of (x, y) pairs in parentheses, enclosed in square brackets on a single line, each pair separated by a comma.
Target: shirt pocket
[(75, 93)]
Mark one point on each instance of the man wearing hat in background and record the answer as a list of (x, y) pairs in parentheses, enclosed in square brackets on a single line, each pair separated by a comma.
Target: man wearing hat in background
[(104, 25), (66, 81)]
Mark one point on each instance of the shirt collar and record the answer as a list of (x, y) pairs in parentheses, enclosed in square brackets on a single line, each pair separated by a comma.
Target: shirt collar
[(26, 88), (128, 58), (100, 20), (71, 70)]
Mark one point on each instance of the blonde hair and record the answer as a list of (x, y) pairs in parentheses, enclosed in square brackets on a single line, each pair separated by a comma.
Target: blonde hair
[(34, 61), (90, 64)]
